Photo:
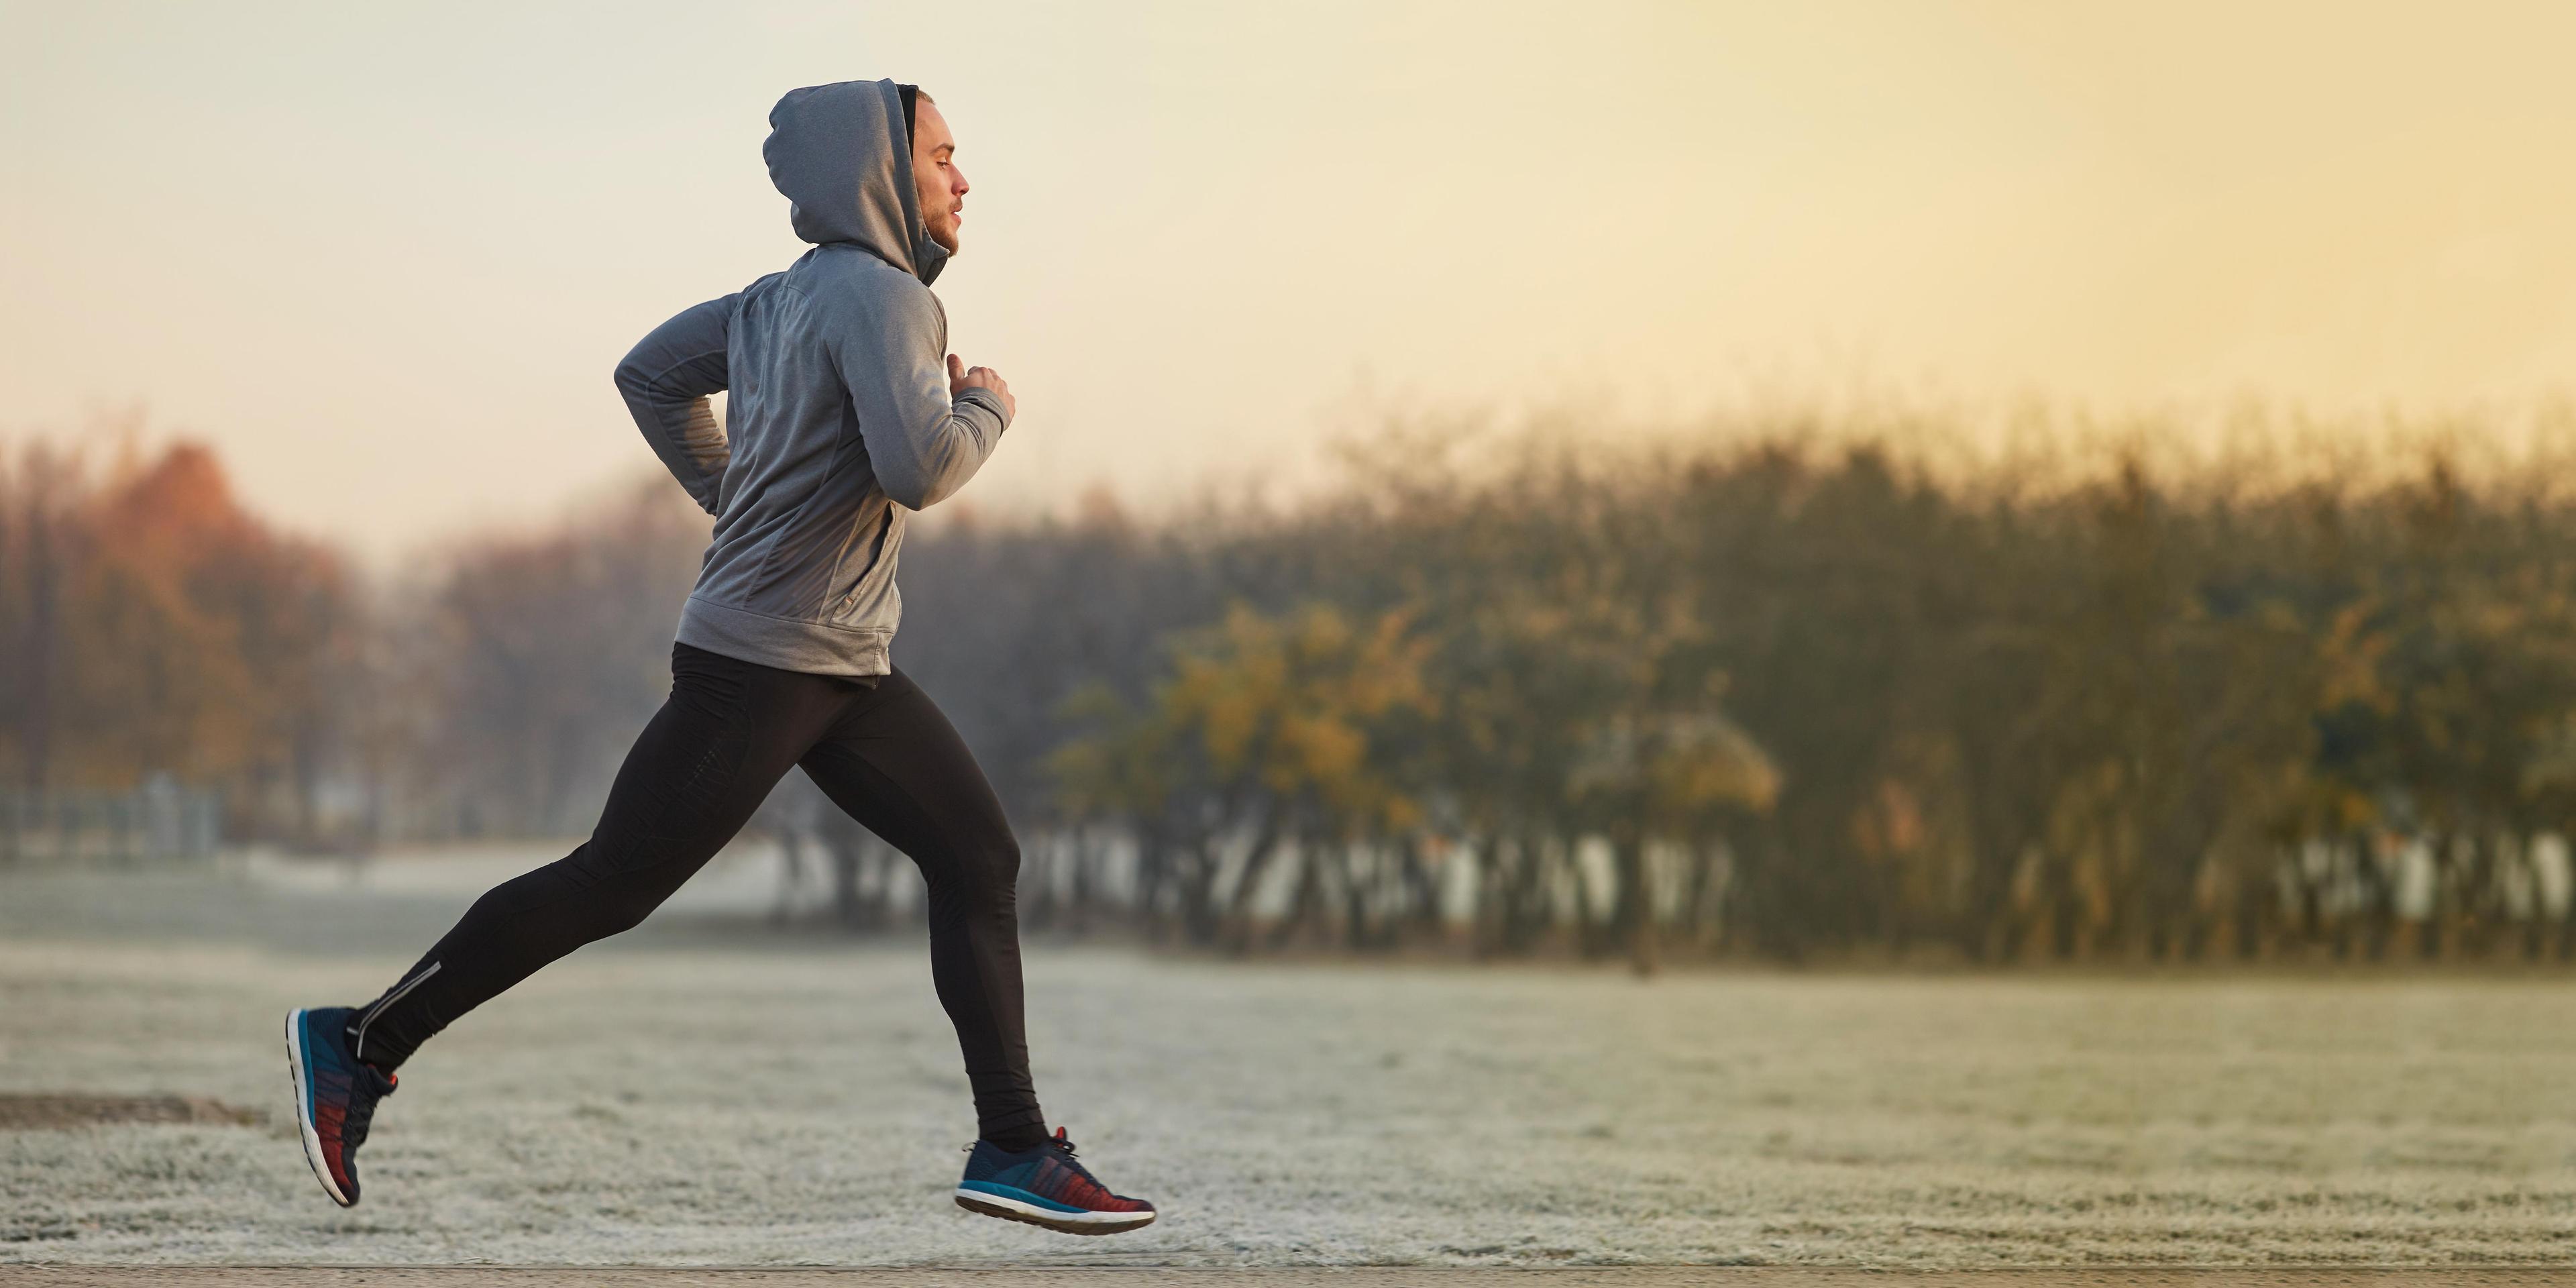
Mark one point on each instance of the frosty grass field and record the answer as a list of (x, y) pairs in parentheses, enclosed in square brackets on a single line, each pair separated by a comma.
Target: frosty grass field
[(694, 1095)]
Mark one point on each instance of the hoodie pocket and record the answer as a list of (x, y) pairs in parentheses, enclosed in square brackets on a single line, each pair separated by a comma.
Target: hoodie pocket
[(860, 576)]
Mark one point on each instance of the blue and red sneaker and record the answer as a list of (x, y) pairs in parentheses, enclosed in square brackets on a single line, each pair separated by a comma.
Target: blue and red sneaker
[(335, 1096), (1043, 1185)]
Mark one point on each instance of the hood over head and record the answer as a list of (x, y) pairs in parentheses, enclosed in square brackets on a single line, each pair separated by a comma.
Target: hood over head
[(843, 159)]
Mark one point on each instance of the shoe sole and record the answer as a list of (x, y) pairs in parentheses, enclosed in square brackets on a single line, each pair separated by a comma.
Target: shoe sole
[(304, 1109), (1062, 1222)]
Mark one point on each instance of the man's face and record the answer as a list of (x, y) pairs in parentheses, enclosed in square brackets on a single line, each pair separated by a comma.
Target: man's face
[(935, 173)]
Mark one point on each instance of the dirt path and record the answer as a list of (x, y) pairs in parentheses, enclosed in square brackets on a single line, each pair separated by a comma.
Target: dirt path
[(1270, 1277)]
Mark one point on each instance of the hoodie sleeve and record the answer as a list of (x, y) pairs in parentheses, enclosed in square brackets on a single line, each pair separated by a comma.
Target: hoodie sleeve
[(666, 378), (922, 444)]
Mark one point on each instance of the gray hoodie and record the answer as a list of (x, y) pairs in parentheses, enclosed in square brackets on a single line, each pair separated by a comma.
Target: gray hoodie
[(839, 421)]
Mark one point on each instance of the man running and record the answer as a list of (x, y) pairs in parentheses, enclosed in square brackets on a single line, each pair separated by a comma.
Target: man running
[(841, 420)]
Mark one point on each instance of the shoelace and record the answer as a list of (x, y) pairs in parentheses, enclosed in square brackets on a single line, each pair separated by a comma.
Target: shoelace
[(1060, 1141), (362, 1107)]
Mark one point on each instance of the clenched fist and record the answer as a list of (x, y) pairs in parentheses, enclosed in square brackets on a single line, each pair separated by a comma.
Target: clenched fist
[(962, 378)]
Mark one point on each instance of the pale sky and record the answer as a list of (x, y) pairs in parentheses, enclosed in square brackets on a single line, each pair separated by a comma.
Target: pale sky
[(385, 258)]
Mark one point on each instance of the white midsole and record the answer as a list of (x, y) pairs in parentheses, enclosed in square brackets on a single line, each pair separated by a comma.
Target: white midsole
[(1069, 1218), (304, 1106)]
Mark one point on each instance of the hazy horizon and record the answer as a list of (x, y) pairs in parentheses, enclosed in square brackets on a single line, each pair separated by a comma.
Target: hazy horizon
[(384, 264)]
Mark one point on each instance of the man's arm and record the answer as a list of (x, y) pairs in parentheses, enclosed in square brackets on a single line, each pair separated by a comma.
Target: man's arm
[(923, 443), (666, 378)]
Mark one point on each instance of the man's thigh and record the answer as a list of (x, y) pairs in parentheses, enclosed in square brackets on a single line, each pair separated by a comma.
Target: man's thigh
[(705, 762), (896, 764)]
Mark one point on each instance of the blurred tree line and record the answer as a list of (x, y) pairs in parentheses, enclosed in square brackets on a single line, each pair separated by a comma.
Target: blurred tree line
[(148, 624), (1768, 698)]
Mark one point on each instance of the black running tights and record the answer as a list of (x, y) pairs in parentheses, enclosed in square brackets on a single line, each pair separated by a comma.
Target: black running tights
[(729, 732)]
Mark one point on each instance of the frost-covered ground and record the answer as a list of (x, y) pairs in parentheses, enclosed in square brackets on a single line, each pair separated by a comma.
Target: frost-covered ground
[(689, 1097)]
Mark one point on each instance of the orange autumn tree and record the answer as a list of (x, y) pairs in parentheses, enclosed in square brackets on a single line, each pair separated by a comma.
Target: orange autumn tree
[(156, 626)]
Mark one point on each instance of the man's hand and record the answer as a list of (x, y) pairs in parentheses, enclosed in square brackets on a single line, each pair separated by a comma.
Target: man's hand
[(962, 378)]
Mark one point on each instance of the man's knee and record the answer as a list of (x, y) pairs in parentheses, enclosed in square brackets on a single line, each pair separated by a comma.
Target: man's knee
[(1002, 867), (616, 916), (986, 873), (623, 901)]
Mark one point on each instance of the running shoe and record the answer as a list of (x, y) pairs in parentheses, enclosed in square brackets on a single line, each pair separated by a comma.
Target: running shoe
[(1043, 1185), (335, 1096)]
